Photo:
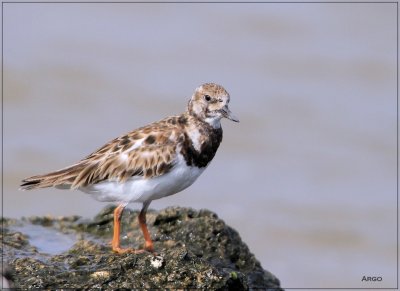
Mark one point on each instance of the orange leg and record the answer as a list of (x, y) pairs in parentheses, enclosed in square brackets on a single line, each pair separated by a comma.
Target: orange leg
[(148, 245), (117, 230)]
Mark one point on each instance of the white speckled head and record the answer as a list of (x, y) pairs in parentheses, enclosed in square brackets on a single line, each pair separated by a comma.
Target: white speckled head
[(210, 103)]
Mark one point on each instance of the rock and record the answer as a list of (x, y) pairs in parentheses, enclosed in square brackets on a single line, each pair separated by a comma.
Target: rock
[(195, 250)]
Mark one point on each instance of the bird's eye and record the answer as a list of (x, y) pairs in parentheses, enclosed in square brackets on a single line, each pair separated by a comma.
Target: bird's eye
[(220, 100), (207, 97)]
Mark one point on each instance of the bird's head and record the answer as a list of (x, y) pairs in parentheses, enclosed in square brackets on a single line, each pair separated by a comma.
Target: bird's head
[(210, 103)]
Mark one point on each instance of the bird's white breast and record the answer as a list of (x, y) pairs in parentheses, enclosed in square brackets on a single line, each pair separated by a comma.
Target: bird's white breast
[(139, 189)]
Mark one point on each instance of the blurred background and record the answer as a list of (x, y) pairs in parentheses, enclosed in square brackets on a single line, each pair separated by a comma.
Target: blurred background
[(308, 177)]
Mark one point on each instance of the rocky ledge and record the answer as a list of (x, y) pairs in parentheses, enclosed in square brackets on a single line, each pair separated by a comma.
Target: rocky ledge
[(195, 250)]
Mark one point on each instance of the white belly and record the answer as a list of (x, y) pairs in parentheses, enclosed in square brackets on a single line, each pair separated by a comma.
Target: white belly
[(138, 189)]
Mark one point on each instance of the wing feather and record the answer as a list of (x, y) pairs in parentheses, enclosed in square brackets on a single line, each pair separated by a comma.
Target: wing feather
[(149, 151)]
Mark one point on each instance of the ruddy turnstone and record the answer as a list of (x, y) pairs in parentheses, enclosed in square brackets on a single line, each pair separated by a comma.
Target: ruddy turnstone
[(149, 163)]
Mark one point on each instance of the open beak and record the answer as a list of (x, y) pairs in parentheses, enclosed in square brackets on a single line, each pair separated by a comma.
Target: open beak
[(228, 114)]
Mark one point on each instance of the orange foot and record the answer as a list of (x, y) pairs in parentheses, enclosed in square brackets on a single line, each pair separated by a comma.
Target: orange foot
[(148, 246), (119, 250)]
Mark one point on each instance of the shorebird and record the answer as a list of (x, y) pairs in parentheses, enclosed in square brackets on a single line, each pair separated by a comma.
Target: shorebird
[(151, 162)]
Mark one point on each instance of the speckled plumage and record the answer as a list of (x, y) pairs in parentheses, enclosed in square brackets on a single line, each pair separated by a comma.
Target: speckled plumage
[(153, 161)]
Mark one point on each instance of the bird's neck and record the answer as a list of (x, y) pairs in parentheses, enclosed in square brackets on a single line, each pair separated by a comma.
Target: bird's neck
[(201, 142), (214, 122)]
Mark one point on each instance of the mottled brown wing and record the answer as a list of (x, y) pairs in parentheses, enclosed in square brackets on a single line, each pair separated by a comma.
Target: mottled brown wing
[(146, 161), (137, 154), (149, 152)]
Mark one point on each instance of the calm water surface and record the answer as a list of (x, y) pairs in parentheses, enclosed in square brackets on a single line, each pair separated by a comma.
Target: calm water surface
[(308, 177)]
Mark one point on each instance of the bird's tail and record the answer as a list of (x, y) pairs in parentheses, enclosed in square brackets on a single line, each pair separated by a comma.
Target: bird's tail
[(61, 179)]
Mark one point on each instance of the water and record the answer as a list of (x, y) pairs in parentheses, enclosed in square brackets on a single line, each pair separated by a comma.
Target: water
[(308, 177), (45, 239)]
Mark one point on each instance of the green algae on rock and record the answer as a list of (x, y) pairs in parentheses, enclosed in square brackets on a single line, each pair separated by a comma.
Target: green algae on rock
[(195, 250)]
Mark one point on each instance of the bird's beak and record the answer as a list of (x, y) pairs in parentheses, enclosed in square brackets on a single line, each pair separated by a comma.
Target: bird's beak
[(228, 114)]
